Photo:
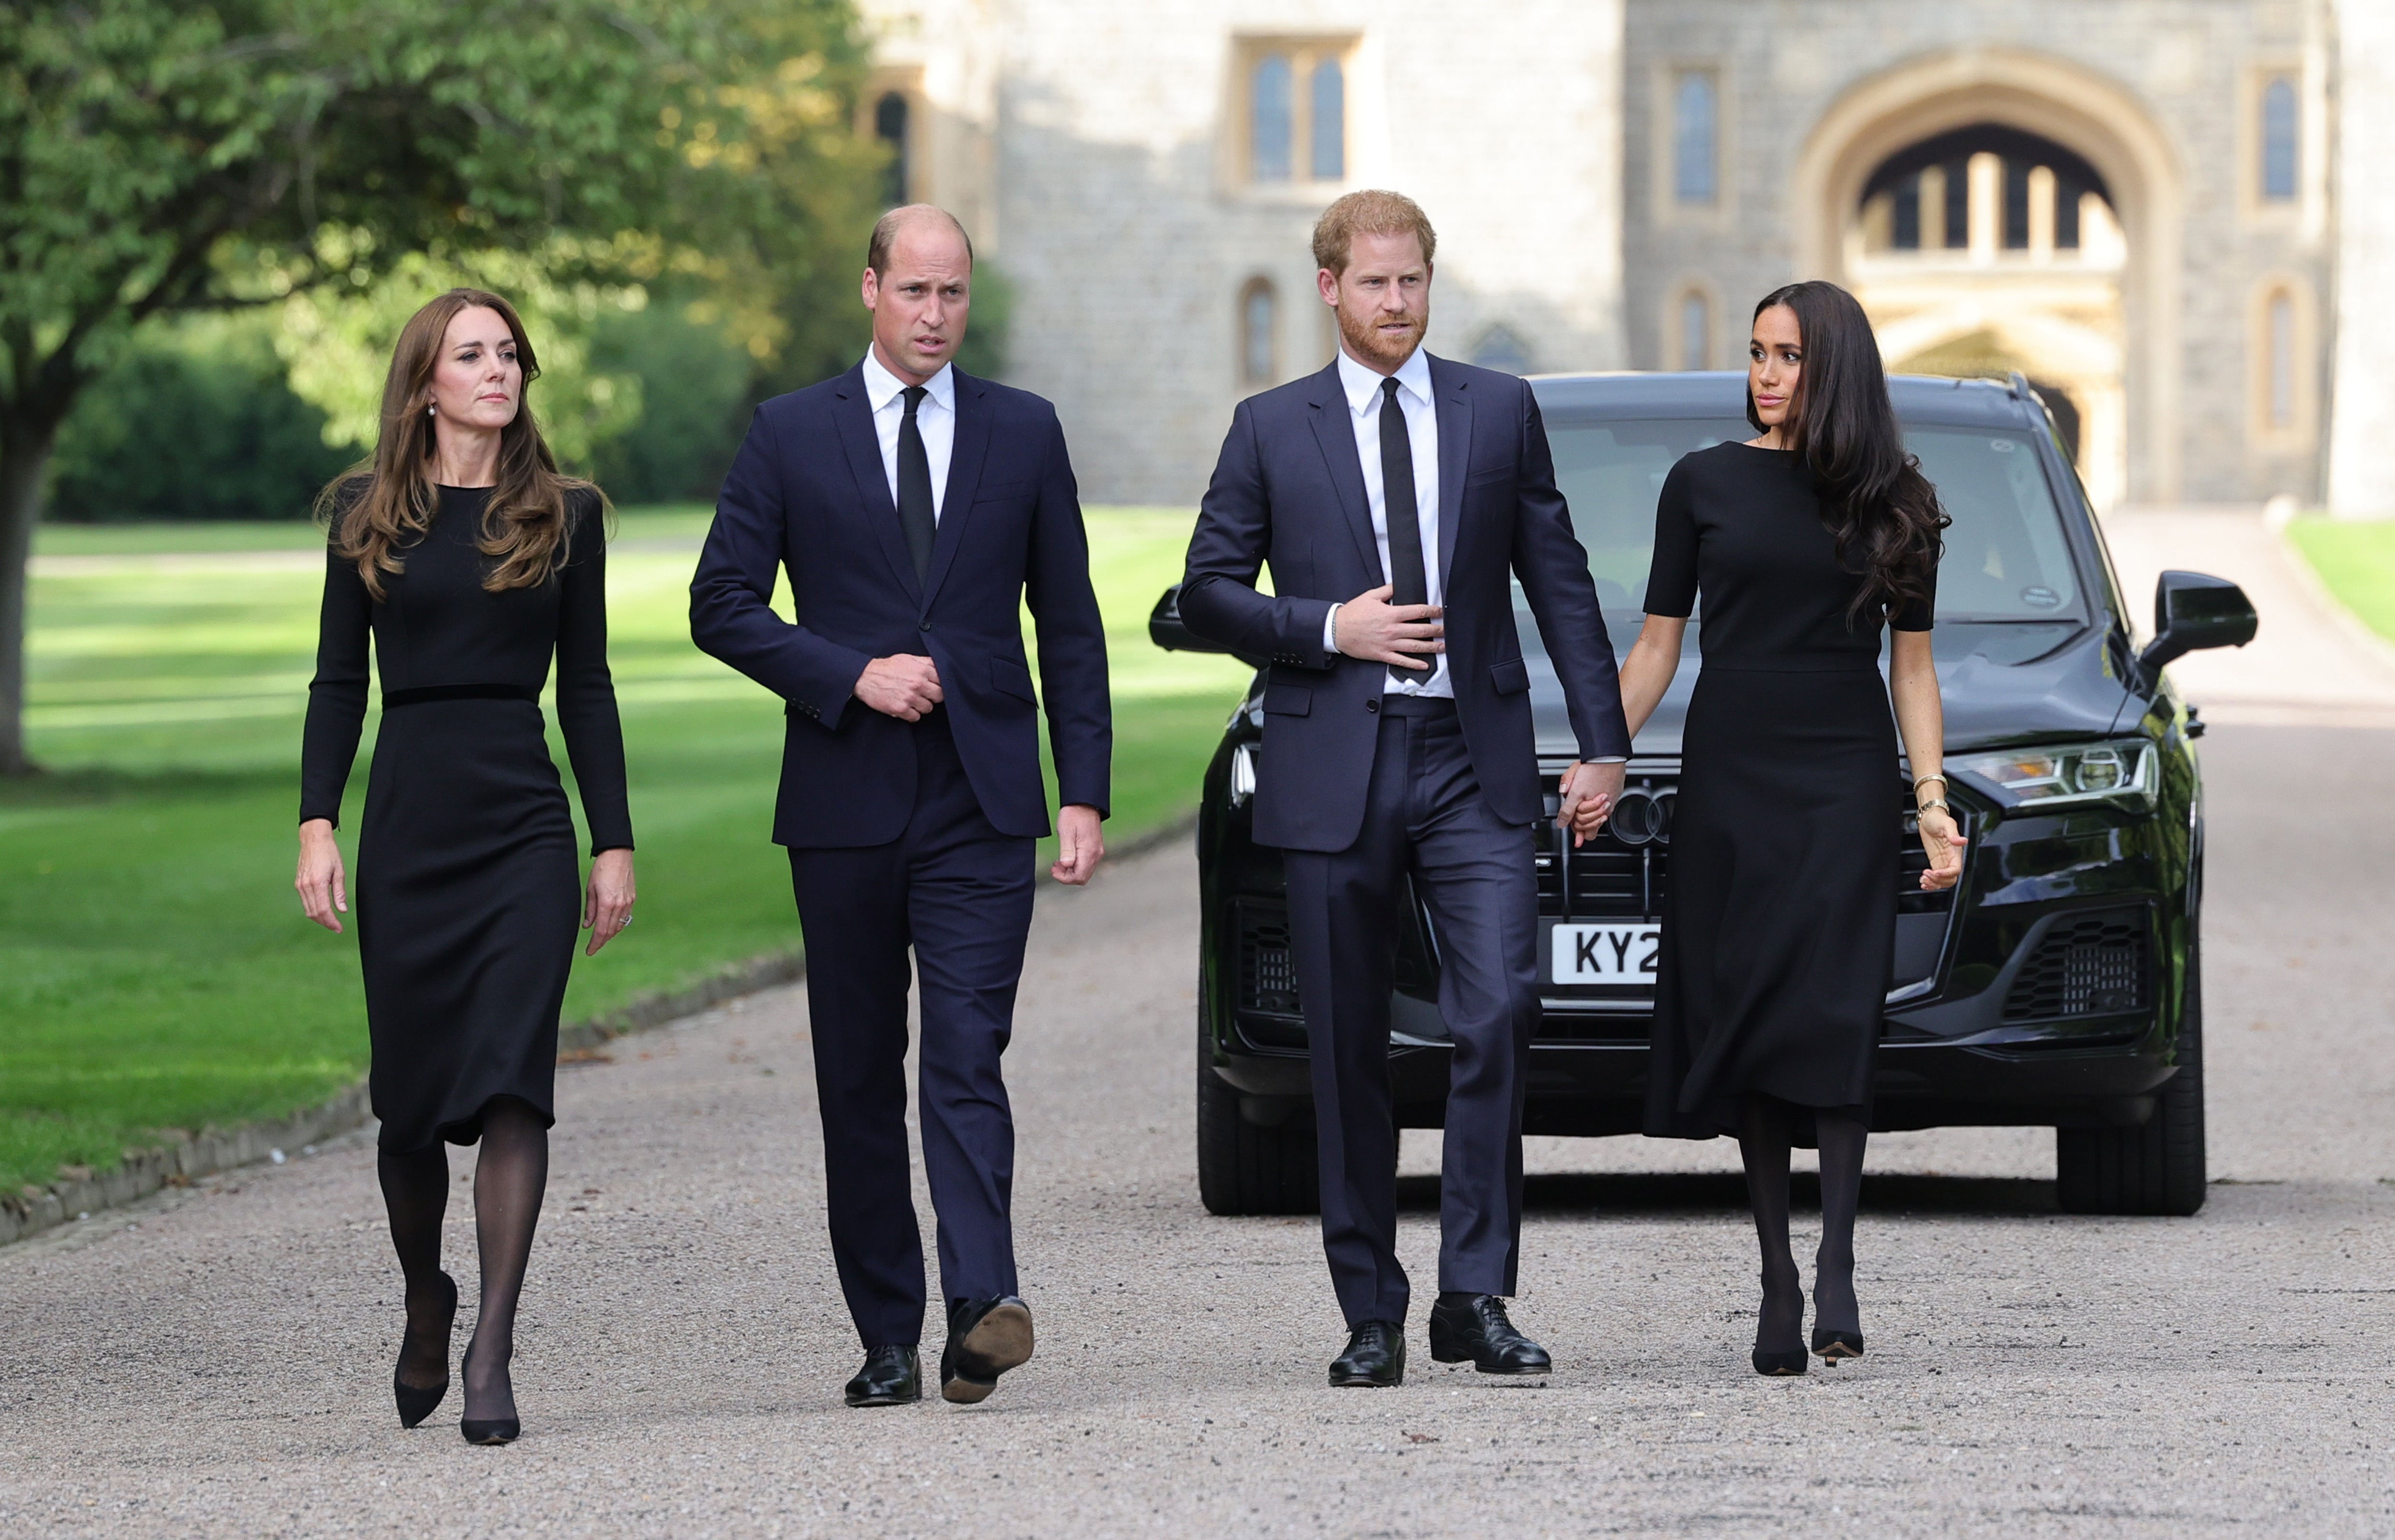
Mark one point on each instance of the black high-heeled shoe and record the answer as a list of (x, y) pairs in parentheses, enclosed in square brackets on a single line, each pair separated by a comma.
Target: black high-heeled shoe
[(419, 1402), (1790, 1363), (486, 1429), (1835, 1346)]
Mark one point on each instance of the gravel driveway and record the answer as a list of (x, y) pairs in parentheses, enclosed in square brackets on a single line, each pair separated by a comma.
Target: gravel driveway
[(218, 1361)]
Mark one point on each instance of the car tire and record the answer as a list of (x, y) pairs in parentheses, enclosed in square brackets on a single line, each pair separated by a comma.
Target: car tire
[(2158, 1168), (1243, 1169)]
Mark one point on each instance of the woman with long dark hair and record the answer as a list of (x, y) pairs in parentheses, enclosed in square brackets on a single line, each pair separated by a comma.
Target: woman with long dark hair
[(1780, 919), (472, 563)]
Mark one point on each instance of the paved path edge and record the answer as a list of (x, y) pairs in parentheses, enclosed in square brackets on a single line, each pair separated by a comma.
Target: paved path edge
[(30, 1210)]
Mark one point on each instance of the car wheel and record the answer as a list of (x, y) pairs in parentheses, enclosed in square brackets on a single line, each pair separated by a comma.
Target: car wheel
[(1243, 1169), (2158, 1168)]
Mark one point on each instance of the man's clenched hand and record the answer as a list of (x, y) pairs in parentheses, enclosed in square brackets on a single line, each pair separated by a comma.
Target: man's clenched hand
[(903, 686)]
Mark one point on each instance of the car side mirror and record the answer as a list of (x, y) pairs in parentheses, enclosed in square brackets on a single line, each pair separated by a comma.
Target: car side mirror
[(1168, 631), (2193, 612)]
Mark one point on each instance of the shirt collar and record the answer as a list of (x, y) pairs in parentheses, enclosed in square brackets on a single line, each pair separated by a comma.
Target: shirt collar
[(1363, 385), (881, 387)]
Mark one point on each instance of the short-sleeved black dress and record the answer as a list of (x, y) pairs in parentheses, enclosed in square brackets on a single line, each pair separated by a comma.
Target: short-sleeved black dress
[(468, 893), (1779, 915)]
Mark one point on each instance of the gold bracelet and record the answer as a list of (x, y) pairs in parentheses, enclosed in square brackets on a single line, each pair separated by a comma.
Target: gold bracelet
[(1937, 802), (1921, 781)]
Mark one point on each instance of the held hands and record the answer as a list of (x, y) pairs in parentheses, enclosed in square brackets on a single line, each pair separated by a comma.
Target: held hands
[(1589, 793), (903, 685), (1368, 626), (1080, 847), (1944, 847), (324, 888), (607, 907)]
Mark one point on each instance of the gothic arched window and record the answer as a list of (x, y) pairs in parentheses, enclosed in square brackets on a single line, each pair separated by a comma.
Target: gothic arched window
[(889, 128), (2279, 144), (1696, 327), (1259, 333), (1269, 114), (1696, 136), (1330, 121)]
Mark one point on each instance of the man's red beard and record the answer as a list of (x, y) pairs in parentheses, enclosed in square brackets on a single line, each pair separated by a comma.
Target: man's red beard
[(1366, 341)]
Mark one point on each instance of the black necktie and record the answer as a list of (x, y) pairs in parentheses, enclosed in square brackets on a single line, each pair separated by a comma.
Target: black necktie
[(915, 487), (1407, 575)]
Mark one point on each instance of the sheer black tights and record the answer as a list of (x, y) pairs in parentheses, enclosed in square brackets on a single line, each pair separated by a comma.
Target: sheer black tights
[(1767, 1132), (509, 1175)]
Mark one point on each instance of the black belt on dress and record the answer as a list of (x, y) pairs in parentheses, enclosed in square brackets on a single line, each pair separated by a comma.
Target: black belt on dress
[(393, 699)]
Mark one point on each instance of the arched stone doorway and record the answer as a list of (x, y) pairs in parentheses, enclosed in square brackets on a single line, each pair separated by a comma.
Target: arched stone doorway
[(1999, 210)]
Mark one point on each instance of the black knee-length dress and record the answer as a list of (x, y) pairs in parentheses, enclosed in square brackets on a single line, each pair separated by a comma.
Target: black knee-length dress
[(1779, 916), (468, 893)]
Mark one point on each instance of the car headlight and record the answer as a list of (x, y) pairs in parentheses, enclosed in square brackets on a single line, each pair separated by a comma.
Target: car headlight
[(2120, 773), (1243, 774)]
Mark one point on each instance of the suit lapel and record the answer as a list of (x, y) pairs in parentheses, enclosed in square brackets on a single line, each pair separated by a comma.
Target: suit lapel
[(1454, 406), (970, 446), (853, 416), (1336, 433)]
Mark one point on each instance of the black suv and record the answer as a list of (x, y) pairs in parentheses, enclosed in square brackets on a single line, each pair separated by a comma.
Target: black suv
[(2057, 984)]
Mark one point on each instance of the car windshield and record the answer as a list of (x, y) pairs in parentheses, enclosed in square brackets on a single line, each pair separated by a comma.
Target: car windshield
[(2006, 558)]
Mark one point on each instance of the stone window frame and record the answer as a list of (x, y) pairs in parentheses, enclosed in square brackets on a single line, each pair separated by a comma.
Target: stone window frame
[(2255, 211), (1663, 206), (1671, 334), (906, 82), (1305, 51), (2299, 431), (1257, 286)]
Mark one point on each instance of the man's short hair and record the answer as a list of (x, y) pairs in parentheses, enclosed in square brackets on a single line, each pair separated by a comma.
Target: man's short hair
[(886, 228), (1370, 212)]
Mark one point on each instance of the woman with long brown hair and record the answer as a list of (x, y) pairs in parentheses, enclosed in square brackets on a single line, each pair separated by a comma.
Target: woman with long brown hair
[(1779, 921), (471, 562)]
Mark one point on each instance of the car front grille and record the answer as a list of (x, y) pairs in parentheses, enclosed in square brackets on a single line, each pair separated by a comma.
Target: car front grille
[(1267, 966), (1610, 877), (2092, 964)]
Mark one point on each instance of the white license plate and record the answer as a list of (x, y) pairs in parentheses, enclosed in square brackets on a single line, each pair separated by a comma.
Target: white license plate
[(1603, 953)]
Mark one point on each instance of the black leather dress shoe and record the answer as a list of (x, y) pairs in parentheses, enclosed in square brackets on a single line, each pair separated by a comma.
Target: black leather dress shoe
[(1476, 1326), (891, 1377), (987, 1338), (1375, 1356)]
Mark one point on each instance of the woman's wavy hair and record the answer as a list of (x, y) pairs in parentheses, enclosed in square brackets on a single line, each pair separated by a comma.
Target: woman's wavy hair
[(386, 502), (1884, 512)]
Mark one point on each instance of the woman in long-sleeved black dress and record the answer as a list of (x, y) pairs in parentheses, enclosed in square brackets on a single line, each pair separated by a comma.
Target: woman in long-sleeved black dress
[(472, 563), (1780, 916)]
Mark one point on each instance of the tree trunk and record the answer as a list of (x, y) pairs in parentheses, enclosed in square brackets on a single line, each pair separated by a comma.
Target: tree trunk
[(24, 452)]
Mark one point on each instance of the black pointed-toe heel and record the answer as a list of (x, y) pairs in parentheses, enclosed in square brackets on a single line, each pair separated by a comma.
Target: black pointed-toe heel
[(486, 1429), (1790, 1363), (418, 1403), (1836, 1347)]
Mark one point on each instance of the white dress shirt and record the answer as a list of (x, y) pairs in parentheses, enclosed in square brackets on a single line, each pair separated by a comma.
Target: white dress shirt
[(1363, 390), (936, 419)]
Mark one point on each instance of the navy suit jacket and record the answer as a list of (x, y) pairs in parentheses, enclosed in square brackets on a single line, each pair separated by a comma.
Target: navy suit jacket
[(1290, 490), (808, 494)]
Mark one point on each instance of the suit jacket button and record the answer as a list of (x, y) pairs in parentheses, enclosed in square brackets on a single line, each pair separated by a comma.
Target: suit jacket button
[(1372, 705), (925, 627)]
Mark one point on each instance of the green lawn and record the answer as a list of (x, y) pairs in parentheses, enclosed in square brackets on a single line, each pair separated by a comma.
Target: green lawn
[(154, 971), (2357, 562)]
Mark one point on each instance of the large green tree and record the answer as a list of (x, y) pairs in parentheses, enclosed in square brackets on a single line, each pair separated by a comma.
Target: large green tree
[(165, 156)]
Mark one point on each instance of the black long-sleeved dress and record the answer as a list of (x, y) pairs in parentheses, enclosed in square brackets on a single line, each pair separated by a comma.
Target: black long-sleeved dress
[(467, 890), (1780, 919)]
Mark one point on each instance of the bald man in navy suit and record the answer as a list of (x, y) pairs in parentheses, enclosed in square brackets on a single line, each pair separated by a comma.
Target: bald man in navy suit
[(917, 510)]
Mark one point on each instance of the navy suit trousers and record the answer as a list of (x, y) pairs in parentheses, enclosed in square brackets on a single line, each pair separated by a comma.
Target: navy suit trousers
[(1424, 816), (960, 892)]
